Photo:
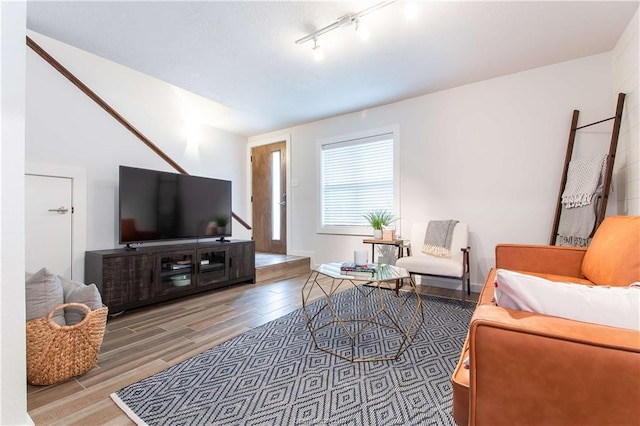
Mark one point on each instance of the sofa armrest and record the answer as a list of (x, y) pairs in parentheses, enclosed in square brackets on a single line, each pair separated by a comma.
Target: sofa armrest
[(542, 259), (528, 368)]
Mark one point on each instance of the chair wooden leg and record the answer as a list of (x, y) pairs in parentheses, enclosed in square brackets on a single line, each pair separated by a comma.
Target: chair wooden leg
[(466, 271)]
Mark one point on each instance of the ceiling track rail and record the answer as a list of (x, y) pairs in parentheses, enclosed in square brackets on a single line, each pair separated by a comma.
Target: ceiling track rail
[(112, 112)]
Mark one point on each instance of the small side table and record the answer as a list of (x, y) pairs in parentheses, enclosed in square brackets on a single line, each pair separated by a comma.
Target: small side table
[(398, 243)]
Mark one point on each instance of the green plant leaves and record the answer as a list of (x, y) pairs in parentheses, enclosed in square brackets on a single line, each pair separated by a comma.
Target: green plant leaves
[(379, 218)]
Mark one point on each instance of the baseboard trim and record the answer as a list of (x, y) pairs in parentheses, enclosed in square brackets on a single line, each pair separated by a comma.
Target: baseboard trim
[(453, 284)]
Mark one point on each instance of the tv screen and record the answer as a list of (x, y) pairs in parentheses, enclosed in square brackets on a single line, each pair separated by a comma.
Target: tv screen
[(160, 206)]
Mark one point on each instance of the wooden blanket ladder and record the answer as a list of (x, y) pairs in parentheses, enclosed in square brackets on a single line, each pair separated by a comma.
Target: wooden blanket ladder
[(608, 171)]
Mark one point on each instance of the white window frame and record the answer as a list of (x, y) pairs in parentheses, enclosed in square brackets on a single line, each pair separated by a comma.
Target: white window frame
[(394, 130)]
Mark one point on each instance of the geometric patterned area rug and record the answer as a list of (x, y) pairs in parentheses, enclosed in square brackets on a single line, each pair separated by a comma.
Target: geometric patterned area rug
[(274, 375)]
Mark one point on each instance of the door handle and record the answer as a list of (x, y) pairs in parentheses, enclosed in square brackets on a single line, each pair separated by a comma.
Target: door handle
[(61, 210)]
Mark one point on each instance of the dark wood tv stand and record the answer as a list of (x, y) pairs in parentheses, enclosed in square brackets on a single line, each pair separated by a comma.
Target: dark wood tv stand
[(132, 278)]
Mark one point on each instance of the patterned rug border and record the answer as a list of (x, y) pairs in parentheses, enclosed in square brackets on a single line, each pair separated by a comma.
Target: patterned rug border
[(126, 410), (468, 307)]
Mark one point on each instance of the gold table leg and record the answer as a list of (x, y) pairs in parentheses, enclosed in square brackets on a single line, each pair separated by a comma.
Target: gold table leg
[(374, 311)]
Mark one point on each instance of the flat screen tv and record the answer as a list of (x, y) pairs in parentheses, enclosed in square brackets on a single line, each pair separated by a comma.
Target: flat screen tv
[(163, 206)]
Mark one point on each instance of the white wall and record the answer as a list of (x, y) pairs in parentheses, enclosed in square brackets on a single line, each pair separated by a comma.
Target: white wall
[(65, 127), (625, 80), (489, 154), (13, 390)]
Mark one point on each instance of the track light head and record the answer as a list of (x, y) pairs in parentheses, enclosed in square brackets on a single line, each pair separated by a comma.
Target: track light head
[(318, 54), (344, 20)]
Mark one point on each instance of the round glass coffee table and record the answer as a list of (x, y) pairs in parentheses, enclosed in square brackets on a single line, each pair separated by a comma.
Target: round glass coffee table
[(361, 316)]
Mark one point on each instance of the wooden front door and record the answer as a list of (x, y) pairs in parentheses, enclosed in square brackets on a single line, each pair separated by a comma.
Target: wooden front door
[(269, 197)]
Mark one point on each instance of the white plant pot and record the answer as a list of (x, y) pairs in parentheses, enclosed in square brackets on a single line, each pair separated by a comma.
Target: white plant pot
[(377, 234)]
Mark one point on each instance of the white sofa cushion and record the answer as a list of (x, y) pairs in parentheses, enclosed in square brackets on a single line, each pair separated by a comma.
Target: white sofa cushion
[(613, 306), (422, 263)]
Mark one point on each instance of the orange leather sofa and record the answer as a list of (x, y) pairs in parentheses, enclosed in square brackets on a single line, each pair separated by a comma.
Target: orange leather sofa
[(532, 369)]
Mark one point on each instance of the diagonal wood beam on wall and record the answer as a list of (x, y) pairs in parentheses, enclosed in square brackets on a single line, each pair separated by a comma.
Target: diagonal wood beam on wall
[(98, 100), (112, 112)]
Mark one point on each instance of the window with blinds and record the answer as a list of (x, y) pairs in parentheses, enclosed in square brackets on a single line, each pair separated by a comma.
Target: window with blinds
[(357, 176)]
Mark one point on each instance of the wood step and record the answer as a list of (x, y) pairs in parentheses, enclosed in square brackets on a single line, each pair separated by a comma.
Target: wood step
[(280, 267)]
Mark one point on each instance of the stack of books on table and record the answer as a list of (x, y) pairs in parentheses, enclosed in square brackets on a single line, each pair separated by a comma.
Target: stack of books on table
[(352, 267)]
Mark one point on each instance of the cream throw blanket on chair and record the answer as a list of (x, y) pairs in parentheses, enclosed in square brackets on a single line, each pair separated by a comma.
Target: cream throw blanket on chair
[(437, 239)]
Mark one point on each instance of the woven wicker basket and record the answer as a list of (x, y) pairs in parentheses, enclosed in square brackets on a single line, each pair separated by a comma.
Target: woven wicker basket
[(57, 353)]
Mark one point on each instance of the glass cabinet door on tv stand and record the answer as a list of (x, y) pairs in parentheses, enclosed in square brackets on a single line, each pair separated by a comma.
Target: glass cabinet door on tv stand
[(176, 273), (212, 265)]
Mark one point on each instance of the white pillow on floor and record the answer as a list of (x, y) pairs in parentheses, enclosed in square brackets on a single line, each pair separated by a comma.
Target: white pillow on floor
[(613, 306)]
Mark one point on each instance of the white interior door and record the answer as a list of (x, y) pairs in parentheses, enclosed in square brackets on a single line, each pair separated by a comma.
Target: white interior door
[(48, 224)]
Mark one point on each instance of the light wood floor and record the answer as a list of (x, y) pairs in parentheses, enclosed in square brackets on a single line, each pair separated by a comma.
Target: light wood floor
[(143, 342)]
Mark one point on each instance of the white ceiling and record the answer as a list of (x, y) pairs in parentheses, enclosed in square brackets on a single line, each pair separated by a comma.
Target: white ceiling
[(242, 54)]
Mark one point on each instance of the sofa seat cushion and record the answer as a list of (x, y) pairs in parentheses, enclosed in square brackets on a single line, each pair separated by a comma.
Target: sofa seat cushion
[(431, 265), (612, 256)]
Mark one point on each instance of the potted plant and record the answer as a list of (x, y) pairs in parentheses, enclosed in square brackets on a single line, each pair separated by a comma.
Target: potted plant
[(221, 222), (379, 219)]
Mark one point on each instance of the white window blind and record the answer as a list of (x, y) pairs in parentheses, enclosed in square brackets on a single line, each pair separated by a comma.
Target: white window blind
[(357, 177)]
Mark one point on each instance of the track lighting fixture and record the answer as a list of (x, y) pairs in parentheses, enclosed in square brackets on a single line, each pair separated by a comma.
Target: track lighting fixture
[(318, 54), (348, 19)]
